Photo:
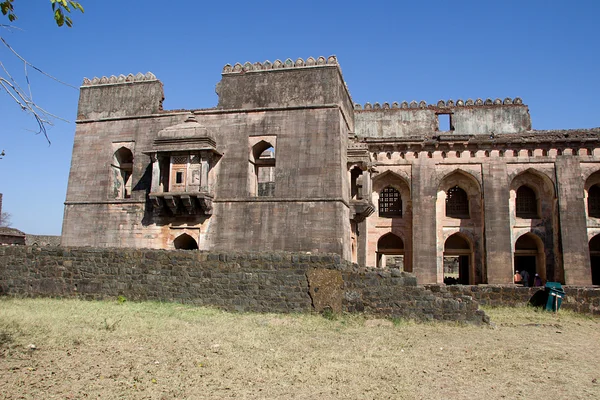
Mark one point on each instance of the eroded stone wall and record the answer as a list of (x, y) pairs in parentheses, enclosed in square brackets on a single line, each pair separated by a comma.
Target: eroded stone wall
[(260, 282), (580, 299)]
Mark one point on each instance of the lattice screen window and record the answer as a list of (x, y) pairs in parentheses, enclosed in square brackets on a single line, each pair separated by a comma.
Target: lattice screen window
[(178, 173), (390, 203), (594, 201), (526, 203), (457, 203)]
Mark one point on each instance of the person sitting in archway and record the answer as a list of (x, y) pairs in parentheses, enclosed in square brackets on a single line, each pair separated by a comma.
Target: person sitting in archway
[(518, 277), (537, 280)]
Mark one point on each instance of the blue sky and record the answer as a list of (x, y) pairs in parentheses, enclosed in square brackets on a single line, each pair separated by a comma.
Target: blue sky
[(546, 52)]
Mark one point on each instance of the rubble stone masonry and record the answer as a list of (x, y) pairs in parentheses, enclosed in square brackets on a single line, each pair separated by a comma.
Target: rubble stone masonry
[(257, 282)]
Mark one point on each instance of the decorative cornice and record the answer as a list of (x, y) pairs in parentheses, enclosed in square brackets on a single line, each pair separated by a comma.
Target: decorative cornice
[(440, 104), (113, 80), (278, 64)]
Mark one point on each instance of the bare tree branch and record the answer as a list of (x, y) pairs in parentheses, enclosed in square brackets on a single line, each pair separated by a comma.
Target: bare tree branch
[(33, 66), (24, 98), (61, 10)]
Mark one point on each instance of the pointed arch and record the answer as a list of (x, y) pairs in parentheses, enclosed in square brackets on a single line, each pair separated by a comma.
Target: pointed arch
[(592, 192), (262, 159), (390, 249), (470, 183), (458, 260), (536, 180), (122, 167), (185, 242), (530, 256)]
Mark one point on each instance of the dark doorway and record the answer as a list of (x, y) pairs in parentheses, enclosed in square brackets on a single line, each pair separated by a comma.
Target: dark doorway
[(595, 259), (457, 261), (530, 257), (390, 252), (526, 263), (185, 242), (595, 262)]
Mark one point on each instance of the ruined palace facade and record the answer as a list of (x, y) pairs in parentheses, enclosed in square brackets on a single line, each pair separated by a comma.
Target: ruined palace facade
[(286, 161)]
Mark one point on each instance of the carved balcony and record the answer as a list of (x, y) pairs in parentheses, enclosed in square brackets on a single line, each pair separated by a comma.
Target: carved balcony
[(181, 203), (361, 209)]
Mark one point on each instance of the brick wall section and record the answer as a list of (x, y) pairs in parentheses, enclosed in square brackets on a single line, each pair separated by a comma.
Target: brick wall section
[(259, 282), (580, 299)]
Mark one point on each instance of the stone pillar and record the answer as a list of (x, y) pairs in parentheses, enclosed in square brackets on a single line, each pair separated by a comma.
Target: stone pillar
[(204, 184), (498, 246), (573, 229), (155, 188), (361, 242), (424, 194)]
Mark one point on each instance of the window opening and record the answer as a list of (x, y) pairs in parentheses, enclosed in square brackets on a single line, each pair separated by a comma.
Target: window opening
[(263, 164), (355, 173), (390, 203), (179, 166), (457, 203), (444, 122), (123, 165), (594, 201), (526, 203)]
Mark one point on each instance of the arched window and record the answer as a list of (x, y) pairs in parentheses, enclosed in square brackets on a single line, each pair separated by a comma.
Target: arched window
[(594, 201), (526, 203), (390, 203), (263, 165), (122, 170), (457, 203)]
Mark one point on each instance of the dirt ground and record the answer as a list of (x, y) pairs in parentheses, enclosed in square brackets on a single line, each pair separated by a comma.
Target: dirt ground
[(70, 349)]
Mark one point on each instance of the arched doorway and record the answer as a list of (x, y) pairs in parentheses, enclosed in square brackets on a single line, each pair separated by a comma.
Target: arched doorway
[(185, 242), (458, 256), (595, 259), (390, 251), (530, 257)]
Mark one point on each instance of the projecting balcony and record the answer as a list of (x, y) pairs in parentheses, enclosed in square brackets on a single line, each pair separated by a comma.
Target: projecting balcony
[(360, 209), (182, 203)]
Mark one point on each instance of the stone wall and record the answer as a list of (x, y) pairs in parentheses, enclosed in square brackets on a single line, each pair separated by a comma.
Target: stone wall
[(580, 299), (42, 240), (259, 282)]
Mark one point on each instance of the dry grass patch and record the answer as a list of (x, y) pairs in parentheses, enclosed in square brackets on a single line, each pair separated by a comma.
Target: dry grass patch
[(171, 351)]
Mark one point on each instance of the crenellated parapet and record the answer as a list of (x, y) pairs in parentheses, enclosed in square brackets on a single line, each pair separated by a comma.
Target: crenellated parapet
[(278, 64), (120, 96), (112, 80), (441, 104), (314, 82)]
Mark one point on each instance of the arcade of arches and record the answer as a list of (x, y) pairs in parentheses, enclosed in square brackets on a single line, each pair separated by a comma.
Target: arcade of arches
[(285, 161), (477, 239)]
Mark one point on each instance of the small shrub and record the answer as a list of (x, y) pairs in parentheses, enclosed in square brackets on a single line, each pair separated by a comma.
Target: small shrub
[(121, 299), (111, 327), (329, 314), (5, 338)]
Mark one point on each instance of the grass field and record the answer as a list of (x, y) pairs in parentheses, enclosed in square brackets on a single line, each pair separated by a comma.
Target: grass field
[(70, 349)]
